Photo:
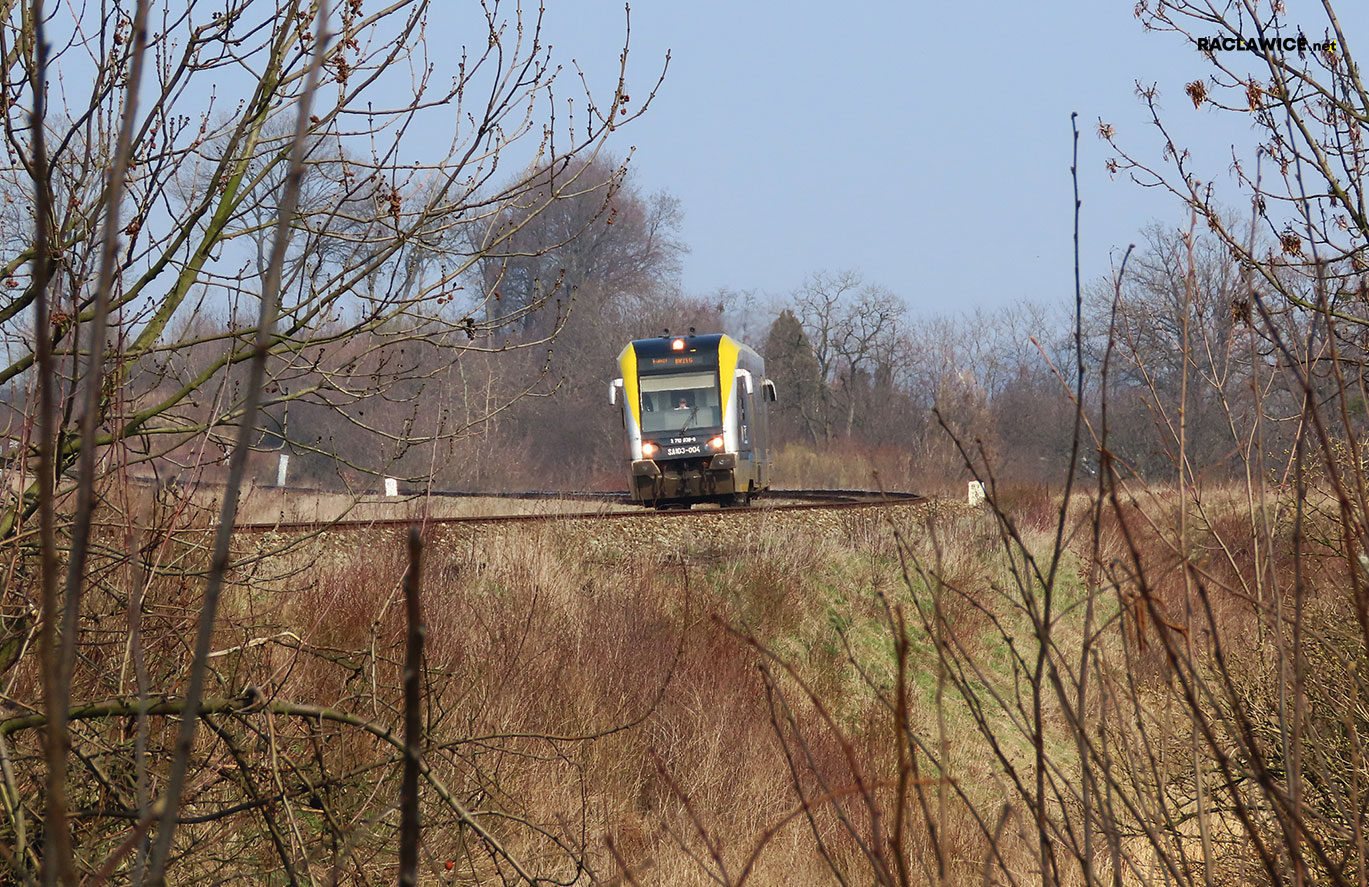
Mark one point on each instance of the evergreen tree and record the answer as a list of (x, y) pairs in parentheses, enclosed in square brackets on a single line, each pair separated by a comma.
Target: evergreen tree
[(790, 361)]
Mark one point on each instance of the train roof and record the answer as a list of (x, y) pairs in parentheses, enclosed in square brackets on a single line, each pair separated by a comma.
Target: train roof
[(703, 348)]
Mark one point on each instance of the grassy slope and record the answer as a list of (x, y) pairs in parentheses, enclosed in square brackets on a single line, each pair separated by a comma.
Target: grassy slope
[(579, 628)]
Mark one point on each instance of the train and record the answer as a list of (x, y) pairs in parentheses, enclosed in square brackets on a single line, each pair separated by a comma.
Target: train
[(695, 412)]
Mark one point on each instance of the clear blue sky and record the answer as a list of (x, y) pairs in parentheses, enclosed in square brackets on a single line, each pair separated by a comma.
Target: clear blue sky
[(925, 145)]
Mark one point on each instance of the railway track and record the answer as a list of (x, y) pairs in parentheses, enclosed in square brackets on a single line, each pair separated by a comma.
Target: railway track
[(775, 500)]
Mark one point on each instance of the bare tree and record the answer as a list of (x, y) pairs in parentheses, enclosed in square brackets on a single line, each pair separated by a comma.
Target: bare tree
[(609, 258), (406, 172), (1179, 698), (1178, 319), (233, 209), (858, 336)]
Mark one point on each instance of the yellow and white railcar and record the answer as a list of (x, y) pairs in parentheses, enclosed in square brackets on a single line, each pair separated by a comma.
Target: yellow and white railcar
[(694, 408)]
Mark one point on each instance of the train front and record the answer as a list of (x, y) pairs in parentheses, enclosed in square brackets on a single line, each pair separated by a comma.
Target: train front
[(681, 440)]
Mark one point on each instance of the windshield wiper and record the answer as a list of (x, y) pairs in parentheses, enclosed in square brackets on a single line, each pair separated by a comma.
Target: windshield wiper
[(692, 413)]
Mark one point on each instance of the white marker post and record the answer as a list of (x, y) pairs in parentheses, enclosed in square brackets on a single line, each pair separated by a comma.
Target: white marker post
[(391, 486), (280, 469), (975, 493)]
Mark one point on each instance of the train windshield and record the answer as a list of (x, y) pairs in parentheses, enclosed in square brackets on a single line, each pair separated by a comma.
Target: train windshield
[(679, 402)]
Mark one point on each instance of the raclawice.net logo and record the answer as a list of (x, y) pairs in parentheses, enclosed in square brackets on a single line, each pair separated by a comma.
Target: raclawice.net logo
[(1263, 44)]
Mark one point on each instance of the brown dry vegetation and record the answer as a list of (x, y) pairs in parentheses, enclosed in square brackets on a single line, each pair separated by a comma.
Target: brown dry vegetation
[(768, 698), (714, 697), (583, 678)]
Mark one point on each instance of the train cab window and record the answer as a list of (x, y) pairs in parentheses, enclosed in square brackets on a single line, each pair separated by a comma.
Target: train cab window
[(680, 401)]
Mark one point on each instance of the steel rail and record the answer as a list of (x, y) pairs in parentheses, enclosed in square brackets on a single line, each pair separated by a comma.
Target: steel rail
[(809, 500)]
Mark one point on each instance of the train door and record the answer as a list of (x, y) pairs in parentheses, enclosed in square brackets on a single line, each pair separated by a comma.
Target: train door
[(748, 435), (765, 395), (743, 420)]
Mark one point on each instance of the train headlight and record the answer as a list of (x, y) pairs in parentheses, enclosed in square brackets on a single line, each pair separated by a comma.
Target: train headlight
[(716, 443), (649, 449), (677, 345)]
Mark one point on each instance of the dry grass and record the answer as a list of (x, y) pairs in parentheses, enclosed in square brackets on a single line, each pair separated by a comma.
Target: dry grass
[(575, 630), (266, 505), (589, 682)]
